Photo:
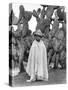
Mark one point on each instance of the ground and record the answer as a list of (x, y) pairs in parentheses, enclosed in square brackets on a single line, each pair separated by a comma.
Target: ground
[(55, 77)]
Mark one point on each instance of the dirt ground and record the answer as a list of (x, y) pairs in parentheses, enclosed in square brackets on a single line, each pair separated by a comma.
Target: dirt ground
[(55, 77)]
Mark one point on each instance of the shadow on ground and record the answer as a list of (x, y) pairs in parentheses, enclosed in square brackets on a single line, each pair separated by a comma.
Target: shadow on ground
[(55, 77)]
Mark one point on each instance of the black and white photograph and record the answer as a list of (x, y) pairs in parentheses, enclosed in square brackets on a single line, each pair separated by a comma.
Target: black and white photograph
[(37, 44)]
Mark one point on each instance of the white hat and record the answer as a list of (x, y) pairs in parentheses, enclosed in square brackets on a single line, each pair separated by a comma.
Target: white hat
[(38, 32)]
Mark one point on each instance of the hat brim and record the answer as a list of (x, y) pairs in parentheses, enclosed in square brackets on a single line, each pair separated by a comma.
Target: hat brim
[(41, 35)]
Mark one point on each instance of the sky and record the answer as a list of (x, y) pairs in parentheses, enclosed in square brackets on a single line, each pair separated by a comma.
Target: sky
[(29, 7)]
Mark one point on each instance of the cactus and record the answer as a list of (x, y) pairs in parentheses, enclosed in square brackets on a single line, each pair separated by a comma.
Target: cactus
[(54, 40)]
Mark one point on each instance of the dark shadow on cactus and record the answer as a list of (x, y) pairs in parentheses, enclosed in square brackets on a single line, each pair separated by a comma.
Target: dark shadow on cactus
[(22, 68)]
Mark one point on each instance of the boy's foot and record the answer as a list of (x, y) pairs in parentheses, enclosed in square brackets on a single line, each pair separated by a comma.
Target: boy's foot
[(31, 80)]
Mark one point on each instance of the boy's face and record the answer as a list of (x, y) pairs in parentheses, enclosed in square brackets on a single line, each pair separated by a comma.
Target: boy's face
[(37, 37)]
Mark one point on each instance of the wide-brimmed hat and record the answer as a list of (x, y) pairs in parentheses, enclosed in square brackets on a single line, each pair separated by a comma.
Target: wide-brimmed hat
[(38, 32)]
